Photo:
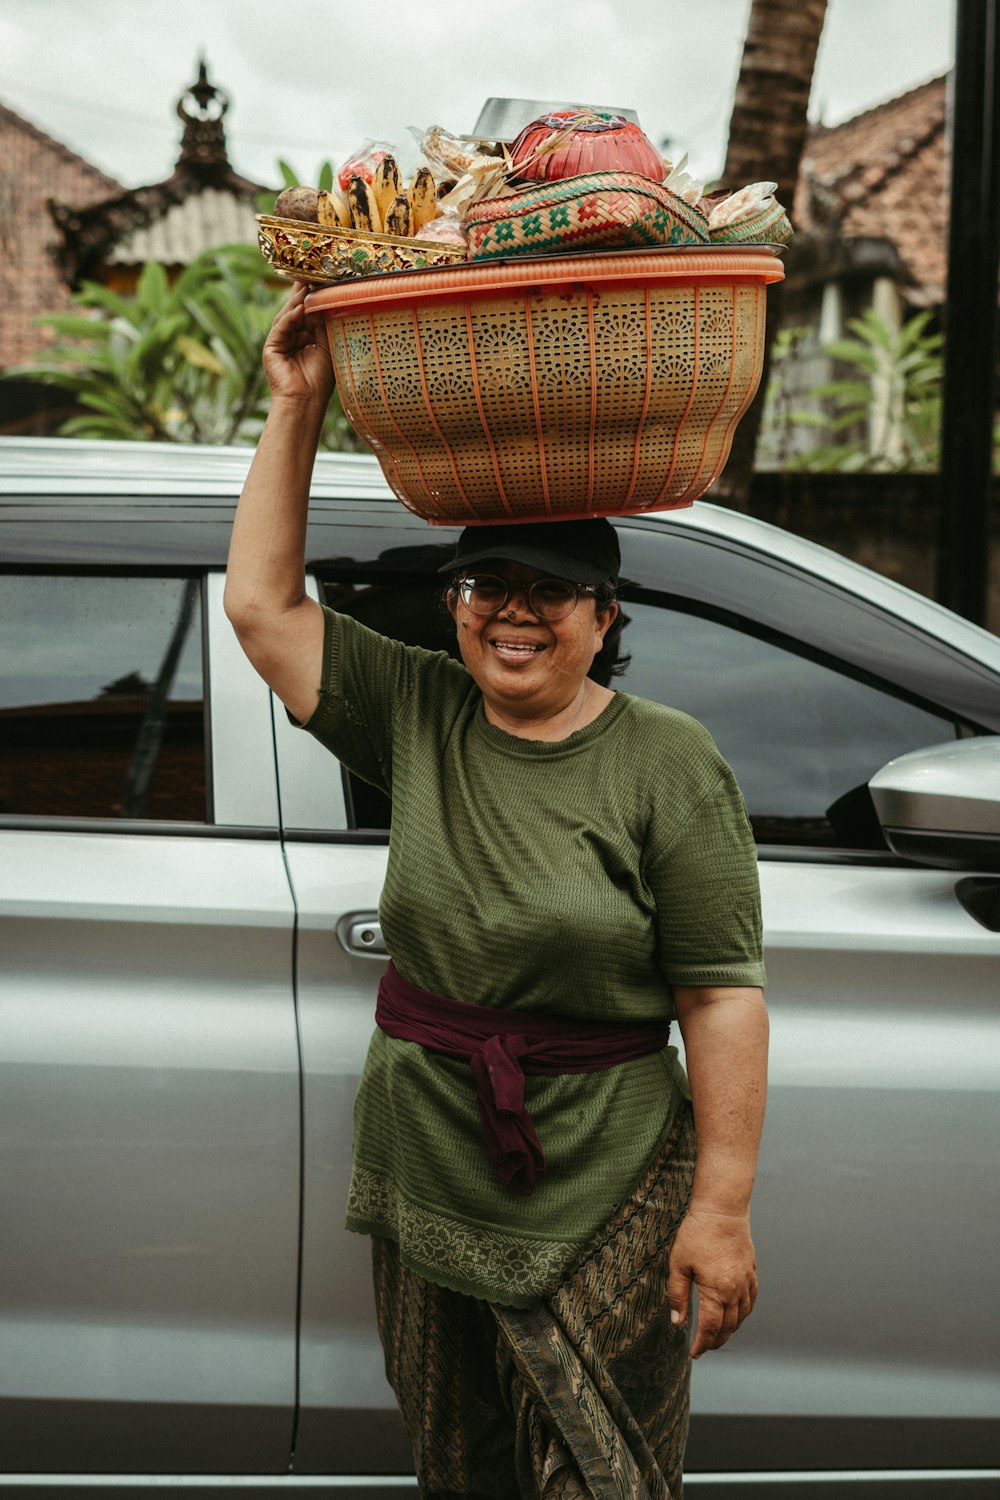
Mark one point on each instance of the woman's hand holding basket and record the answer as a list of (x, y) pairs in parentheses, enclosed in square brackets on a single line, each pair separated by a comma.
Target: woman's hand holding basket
[(296, 356)]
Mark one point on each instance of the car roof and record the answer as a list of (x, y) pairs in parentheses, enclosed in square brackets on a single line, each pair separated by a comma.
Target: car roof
[(91, 468)]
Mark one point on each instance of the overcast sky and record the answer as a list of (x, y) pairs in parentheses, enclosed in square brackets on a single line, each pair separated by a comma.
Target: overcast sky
[(104, 76)]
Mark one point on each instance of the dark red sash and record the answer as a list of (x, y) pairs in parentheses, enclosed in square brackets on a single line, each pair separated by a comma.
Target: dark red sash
[(501, 1046)]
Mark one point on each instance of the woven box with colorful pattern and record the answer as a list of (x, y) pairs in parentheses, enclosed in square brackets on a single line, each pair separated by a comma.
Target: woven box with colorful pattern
[(599, 211)]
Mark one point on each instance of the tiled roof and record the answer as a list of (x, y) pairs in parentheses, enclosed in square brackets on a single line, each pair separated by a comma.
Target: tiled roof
[(202, 205), (36, 167), (173, 221), (201, 222), (884, 175)]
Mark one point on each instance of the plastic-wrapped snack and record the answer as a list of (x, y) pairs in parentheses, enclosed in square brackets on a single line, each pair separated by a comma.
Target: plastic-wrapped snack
[(751, 216), (362, 163), (448, 156), (682, 184), (464, 173), (485, 177), (446, 229), (750, 200)]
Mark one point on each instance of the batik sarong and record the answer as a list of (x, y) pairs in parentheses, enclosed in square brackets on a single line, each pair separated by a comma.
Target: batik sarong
[(583, 1396)]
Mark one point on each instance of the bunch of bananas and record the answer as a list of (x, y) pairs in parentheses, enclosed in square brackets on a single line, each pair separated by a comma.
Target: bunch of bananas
[(383, 206)]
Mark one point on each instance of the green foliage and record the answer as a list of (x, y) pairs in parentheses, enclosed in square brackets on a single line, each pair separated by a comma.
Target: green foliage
[(173, 363), (902, 370), (780, 415), (882, 414)]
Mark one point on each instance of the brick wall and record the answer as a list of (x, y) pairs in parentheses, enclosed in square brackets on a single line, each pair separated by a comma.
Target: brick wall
[(35, 168)]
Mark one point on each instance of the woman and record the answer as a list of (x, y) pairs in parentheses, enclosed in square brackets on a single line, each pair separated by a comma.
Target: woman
[(569, 869)]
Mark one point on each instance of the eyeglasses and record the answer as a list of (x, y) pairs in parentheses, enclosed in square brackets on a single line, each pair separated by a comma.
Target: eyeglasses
[(548, 598)]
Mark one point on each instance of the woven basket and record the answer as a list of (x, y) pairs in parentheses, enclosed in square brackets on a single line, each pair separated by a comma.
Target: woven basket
[(580, 386), (772, 227), (307, 252), (599, 211)]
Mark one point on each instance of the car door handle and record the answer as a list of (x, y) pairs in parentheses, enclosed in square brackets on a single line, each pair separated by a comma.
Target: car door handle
[(361, 933), (980, 896)]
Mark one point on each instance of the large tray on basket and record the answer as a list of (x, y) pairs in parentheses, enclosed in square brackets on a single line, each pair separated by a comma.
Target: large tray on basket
[(557, 387), (310, 252)]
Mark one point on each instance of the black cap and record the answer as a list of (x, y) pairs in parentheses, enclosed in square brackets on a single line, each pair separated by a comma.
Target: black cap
[(579, 551)]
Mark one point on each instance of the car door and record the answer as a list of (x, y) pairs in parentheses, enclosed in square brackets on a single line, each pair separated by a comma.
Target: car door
[(335, 841), (882, 1111), (347, 1421), (881, 1125), (149, 1085)]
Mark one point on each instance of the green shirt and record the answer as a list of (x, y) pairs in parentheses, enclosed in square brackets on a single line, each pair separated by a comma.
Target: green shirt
[(580, 878)]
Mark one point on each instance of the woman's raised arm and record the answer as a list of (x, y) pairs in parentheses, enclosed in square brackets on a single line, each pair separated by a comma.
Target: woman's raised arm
[(279, 627)]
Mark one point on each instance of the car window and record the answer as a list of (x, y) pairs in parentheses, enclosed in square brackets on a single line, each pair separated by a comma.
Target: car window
[(409, 609), (802, 736), (101, 698)]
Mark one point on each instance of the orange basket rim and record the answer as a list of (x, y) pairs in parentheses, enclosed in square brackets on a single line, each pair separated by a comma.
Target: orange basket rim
[(691, 265)]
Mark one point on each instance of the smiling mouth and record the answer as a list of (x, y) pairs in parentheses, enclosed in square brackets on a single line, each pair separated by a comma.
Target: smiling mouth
[(516, 650)]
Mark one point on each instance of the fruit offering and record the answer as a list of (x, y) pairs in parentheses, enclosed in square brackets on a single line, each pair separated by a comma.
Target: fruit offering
[(574, 180), (377, 203), (298, 203)]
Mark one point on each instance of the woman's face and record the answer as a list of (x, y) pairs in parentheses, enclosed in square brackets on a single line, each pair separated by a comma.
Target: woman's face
[(523, 664)]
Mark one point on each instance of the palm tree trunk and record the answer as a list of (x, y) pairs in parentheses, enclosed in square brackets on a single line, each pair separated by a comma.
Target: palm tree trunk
[(767, 133), (767, 129)]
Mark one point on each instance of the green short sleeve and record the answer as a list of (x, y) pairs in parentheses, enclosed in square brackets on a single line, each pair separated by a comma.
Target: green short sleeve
[(708, 895)]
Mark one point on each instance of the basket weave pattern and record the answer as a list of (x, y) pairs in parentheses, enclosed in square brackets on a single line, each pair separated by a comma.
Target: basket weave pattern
[(600, 211), (531, 403), (770, 227)]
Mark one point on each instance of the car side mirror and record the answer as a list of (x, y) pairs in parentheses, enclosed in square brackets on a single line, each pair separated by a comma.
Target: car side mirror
[(941, 806)]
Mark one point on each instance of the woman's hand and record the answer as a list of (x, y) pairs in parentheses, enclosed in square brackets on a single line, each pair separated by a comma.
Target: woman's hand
[(297, 354), (713, 1252), (725, 1043)]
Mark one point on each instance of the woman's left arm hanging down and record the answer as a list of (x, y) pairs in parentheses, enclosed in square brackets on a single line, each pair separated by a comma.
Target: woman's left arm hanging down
[(725, 1033)]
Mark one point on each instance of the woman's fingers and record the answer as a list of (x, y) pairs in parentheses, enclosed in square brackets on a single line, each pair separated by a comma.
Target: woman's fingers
[(709, 1330), (715, 1252), (283, 330), (292, 313), (679, 1290), (718, 1321), (296, 352)]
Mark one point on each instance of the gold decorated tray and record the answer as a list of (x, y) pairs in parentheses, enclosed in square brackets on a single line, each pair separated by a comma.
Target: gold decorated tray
[(308, 252)]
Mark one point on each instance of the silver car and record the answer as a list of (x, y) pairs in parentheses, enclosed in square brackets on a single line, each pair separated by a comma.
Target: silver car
[(191, 947)]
